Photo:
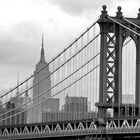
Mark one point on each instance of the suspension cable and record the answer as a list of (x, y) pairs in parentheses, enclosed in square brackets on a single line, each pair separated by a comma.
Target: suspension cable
[(127, 42), (55, 69), (131, 22), (123, 25), (53, 86), (53, 95), (50, 61)]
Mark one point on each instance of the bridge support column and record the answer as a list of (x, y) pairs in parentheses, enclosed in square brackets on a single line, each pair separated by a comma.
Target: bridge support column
[(110, 88), (137, 92), (103, 63)]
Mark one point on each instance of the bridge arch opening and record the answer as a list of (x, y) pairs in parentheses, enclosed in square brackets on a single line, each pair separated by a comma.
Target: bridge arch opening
[(128, 71)]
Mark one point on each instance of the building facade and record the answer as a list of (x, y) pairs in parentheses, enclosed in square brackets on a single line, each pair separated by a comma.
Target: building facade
[(50, 110), (75, 104), (75, 107)]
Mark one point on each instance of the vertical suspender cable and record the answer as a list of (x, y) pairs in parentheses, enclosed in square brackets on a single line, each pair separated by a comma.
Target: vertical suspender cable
[(76, 67), (87, 81)]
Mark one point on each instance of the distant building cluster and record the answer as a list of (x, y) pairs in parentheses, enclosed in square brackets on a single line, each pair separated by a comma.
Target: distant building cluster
[(14, 111), (74, 108), (45, 109)]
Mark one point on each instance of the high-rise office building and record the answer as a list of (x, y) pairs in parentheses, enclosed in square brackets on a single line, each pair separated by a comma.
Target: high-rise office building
[(42, 85)]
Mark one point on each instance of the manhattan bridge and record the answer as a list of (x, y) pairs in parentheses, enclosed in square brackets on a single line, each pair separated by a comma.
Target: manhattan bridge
[(93, 92)]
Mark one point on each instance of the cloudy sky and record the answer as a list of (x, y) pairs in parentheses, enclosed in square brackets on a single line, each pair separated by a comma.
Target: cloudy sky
[(22, 23)]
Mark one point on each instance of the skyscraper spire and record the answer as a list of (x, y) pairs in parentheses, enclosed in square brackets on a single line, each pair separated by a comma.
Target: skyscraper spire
[(42, 56), (42, 40)]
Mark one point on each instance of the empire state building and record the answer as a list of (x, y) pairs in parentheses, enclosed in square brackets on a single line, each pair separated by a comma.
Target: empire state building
[(41, 91)]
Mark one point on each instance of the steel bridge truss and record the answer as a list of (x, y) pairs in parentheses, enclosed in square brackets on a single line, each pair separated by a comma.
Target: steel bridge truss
[(110, 71), (83, 128)]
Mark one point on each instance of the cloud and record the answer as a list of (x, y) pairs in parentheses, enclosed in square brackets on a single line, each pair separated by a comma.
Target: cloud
[(78, 7), (20, 40), (93, 8), (60, 20), (19, 51)]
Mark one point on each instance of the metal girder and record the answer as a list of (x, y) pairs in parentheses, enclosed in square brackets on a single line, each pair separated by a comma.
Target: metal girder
[(110, 66)]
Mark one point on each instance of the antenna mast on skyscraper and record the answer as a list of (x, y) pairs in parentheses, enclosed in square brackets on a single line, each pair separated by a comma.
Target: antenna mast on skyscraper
[(42, 40)]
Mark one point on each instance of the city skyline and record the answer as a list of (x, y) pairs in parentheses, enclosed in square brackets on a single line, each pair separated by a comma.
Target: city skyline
[(87, 89), (21, 31)]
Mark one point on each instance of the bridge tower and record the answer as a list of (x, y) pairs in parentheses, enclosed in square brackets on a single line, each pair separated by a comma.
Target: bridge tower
[(112, 38)]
